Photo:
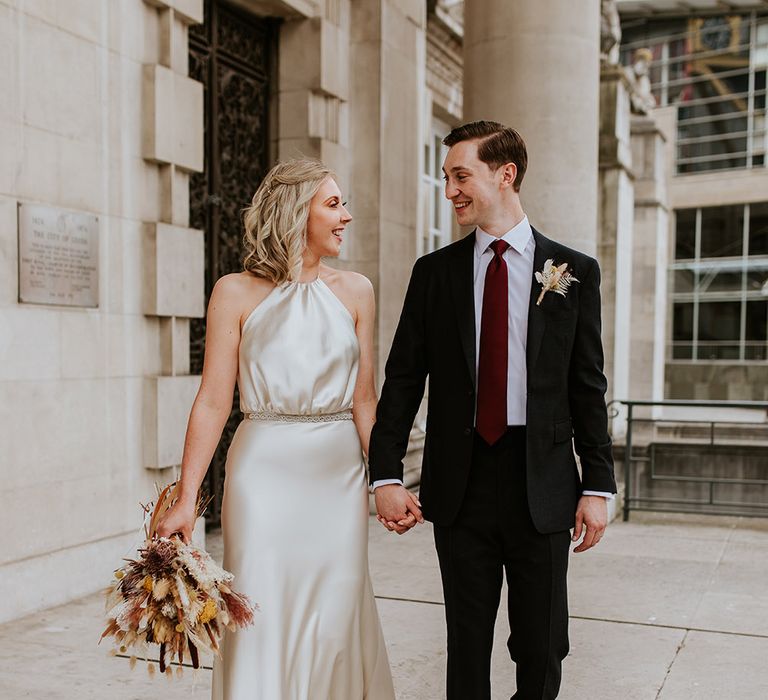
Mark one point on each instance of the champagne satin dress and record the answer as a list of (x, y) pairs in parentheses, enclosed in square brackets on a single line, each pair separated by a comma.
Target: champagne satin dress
[(295, 511)]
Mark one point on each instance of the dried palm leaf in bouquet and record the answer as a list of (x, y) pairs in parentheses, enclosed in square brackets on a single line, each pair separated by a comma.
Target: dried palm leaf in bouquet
[(173, 594)]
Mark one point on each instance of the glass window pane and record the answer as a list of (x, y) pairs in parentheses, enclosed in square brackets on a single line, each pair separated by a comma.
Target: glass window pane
[(438, 156), (757, 320), (682, 351), (755, 352), (425, 209), (718, 351), (685, 234), (684, 281), (722, 282), (682, 325), (426, 159), (758, 228), (435, 207), (722, 231), (757, 281), (719, 320)]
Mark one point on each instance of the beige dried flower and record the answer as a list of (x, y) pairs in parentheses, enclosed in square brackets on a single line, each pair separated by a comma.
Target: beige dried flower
[(554, 278)]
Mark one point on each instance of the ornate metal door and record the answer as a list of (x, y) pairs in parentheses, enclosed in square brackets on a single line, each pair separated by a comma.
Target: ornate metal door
[(231, 53)]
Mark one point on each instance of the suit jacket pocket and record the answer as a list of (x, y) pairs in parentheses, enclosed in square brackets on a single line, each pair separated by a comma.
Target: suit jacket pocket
[(563, 430)]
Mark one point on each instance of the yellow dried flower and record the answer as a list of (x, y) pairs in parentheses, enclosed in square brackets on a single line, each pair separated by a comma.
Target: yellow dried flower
[(208, 612), (119, 574), (180, 627), (148, 584)]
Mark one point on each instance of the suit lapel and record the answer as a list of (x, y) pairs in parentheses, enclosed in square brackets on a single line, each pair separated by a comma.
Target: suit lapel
[(536, 319), (462, 285)]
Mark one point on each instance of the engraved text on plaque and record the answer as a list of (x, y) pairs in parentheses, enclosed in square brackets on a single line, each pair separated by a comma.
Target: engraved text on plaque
[(58, 256)]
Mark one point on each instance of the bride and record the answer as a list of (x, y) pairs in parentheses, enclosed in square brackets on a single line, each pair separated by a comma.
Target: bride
[(297, 336)]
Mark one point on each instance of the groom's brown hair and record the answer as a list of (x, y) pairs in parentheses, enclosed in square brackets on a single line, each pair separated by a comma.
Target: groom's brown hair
[(498, 145)]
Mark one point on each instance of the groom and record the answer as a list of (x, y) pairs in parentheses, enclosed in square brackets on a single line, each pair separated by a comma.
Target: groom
[(515, 383)]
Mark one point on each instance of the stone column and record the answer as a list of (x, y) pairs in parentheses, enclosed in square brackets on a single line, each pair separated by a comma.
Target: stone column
[(650, 259), (386, 109), (534, 66), (614, 249)]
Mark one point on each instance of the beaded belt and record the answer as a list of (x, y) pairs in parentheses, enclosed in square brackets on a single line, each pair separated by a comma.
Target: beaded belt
[(288, 418)]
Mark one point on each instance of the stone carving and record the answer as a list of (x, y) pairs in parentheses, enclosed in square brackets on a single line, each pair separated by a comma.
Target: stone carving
[(610, 32), (641, 97)]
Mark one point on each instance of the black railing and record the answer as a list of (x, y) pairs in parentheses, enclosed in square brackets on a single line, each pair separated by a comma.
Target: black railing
[(701, 445)]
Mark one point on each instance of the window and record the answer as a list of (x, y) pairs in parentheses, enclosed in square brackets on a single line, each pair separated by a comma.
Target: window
[(719, 283), (437, 215), (714, 70)]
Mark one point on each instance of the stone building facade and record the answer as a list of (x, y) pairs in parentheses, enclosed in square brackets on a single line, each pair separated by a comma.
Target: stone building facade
[(159, 117)]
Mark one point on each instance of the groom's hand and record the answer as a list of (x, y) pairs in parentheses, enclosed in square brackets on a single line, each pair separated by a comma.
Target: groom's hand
[(397, 508), (592, 519)]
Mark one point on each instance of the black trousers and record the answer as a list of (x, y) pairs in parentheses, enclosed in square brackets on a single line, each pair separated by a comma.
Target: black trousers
[(493, 534)]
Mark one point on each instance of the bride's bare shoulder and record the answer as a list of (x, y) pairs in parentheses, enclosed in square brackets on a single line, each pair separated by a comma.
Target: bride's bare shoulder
[(350, 281), (241, 291)]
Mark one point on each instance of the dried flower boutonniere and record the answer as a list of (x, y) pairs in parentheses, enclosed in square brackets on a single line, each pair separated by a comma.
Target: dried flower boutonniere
[(554, 278)]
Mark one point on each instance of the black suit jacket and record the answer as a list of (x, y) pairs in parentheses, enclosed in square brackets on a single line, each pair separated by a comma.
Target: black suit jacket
[(435, 338)]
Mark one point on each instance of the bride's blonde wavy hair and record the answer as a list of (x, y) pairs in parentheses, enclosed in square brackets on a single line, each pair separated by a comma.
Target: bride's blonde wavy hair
[(276, 221)]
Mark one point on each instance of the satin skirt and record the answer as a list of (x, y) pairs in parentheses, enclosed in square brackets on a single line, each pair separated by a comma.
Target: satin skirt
[(295, 527)]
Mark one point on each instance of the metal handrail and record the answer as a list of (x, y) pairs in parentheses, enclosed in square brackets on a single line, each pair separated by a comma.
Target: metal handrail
[(714, 138), (632, 502)]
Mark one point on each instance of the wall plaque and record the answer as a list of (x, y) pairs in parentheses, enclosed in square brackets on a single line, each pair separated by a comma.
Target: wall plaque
[(58, 256)]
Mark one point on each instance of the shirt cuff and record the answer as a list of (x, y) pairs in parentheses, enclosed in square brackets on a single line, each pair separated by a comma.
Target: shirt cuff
[(605, 494), (385, 482)]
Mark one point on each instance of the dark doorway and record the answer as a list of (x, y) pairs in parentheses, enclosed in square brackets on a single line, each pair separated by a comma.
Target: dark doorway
[(232, 54)]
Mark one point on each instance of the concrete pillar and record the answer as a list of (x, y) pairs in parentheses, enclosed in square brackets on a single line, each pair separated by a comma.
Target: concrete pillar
[(650, 260), (534, 66), (614, 249), (387, 84)]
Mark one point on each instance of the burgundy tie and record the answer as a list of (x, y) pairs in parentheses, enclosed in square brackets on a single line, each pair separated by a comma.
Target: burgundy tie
[(492, 364)]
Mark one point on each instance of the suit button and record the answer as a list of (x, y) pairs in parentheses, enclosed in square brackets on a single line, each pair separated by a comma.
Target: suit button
[(470, 392), (467, 431)]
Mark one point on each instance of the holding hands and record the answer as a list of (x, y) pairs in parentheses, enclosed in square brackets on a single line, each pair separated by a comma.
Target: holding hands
[(397, 509)]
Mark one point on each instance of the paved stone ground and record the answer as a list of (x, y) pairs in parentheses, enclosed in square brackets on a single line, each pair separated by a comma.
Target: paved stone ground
[(664, 609)]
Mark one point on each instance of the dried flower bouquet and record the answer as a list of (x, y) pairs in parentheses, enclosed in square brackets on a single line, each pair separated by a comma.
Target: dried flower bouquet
[(173, 594)]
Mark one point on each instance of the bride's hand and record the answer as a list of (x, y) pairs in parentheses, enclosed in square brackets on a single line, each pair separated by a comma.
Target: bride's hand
[(179, 519)]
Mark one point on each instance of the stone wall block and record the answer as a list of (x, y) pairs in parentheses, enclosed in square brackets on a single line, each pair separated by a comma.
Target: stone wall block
[(189, 11), (167, 402), (174, 271), (327, 117), (299, 65), (614, 140), (173, 118), (174, 195), (173, 44), (293, 113), (9, 253), (174, 345), (648, 159), (334, 60)]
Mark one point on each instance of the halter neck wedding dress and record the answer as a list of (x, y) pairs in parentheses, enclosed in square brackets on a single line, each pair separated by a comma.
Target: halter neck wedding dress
[(295, 511)]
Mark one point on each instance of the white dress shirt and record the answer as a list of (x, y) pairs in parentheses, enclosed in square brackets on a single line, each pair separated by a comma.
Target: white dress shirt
[(519, 260)]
